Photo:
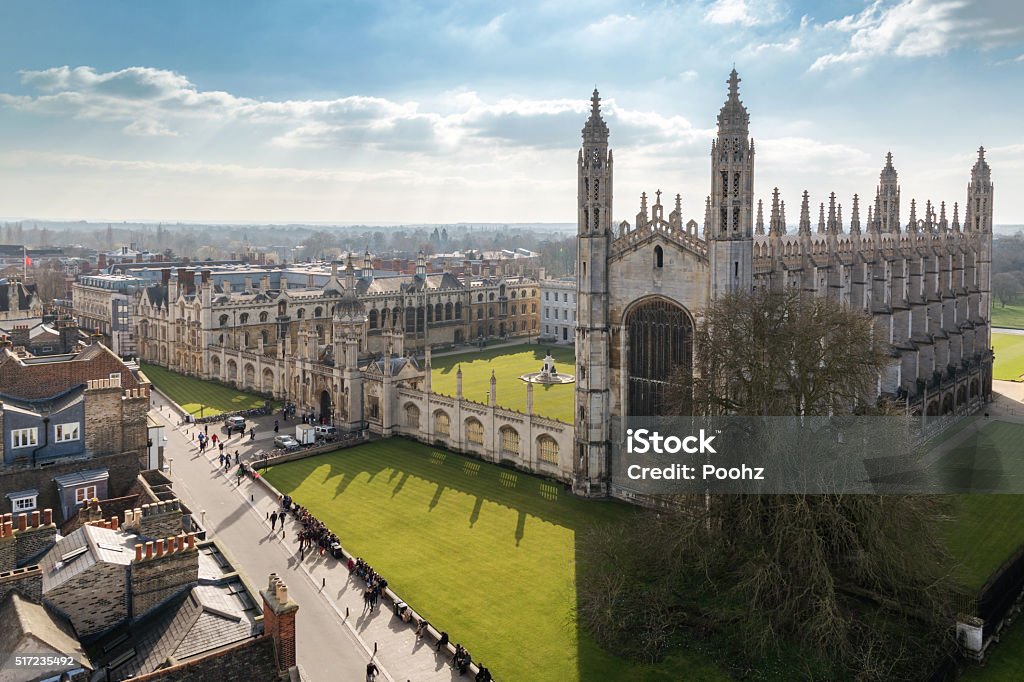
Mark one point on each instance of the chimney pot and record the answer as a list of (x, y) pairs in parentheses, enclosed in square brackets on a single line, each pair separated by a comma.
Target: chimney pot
[(114, 523), (272, 580), (160, 547), (8, 528), (282, 593), (22, 521), (47, 517), (149, 550), (191, 540), (138, 552), (35, 519)]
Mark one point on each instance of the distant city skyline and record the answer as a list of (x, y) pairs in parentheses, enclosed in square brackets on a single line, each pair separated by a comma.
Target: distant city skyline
[(320, 112)]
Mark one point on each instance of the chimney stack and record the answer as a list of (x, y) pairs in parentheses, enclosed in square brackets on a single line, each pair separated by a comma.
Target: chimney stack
[(279, 622)]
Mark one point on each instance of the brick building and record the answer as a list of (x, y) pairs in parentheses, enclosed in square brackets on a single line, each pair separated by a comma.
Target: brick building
[(74, 427), (136, 602)]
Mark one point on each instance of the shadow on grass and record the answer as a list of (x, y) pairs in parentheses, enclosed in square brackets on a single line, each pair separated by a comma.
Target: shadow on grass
[(532, 499)]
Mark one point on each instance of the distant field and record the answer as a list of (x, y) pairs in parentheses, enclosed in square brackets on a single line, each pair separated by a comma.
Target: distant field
[(198, 397), (508, 364), (1011, 316), (1009, 350)]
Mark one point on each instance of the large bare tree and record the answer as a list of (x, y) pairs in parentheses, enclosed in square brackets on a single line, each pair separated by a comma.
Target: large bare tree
[(850, 585)]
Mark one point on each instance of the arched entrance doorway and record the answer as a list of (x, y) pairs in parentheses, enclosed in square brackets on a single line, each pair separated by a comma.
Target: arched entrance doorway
[(659, 334), (326, 414)]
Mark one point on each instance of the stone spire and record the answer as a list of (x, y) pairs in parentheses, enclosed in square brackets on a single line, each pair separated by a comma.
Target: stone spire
[(832, 226), (855, 216), (679, 205), (887, 199), (929, 222), (782, 217), (978, 210), (821, 218), (776, 224), (956, 216), (871, 220), (912, 223), (839, 219), (943, 223), (641, 217), (759, 224), (707, 217), (805, 215), (595, 130)]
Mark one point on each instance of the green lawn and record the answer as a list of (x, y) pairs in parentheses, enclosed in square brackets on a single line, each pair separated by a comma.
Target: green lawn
[(1009, 350), (985, 531), (1011, 316), (485, 553), (197, 395), (508, 364)]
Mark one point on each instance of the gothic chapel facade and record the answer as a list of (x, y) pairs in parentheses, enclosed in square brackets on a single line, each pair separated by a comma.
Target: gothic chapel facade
[(641, 287)]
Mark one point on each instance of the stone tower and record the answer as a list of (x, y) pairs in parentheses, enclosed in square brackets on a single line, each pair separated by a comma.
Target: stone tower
[(887, 199), (730, 233), (978, 222), (594, 169)]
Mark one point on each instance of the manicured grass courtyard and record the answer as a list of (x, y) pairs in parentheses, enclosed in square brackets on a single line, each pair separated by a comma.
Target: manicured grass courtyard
[(485, 553), (508, 363), (1009, 350), (199, 397), (1011, 316)]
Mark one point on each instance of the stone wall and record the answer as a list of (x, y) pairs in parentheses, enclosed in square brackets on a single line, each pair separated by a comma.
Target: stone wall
[(28, 581), (95, 599), (161, 570)]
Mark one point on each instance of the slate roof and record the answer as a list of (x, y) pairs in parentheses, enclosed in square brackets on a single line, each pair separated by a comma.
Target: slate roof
[(196, 622), (33, 627), (86, 547)]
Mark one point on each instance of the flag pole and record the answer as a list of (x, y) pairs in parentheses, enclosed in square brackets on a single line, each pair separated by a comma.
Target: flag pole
[(24, 263)]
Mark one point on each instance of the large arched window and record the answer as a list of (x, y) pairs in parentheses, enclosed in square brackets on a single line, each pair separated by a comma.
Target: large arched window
[(372, 317), (509, 441), (442, 423), (412, 416), (243, 318), (264, 316), (660, 338), (474, 431), (547, 449)]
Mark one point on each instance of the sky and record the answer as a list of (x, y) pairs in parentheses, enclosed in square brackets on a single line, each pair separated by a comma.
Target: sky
[(420, 112)]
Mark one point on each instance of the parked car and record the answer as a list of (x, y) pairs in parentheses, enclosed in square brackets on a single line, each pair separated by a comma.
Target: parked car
[(327, 433), (232, 424), (286, 442)]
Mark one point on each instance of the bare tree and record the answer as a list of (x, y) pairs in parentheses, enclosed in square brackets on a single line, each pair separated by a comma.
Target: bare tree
[(851, 585), (1006, 287)]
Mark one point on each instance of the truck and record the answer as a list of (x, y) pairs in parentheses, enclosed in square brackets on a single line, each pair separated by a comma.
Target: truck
[(305, 434)]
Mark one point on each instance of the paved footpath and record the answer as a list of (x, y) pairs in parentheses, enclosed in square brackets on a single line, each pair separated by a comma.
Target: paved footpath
[(331, 646)]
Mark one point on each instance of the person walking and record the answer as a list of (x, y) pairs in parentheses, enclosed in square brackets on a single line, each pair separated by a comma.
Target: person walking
[(273, 521), (221, 446), (222, 459), (236, 457), (371, 671), (206, 429), (277, 426), (252, 433)]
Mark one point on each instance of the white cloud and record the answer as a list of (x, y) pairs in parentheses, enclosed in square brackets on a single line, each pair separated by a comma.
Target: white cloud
[(741, 12), (789, 46), (144, 128), (913, 28)]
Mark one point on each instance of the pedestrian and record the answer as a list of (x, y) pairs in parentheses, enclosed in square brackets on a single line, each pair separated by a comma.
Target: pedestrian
[(214, 438), (273, 521), (252, 433), (277, 426), (371, 671), (236, 457), (442, 641), (206, 428), (221, 446), (222, 460)]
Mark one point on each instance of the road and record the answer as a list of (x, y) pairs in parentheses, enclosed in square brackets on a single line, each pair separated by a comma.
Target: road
[(330, 646)]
